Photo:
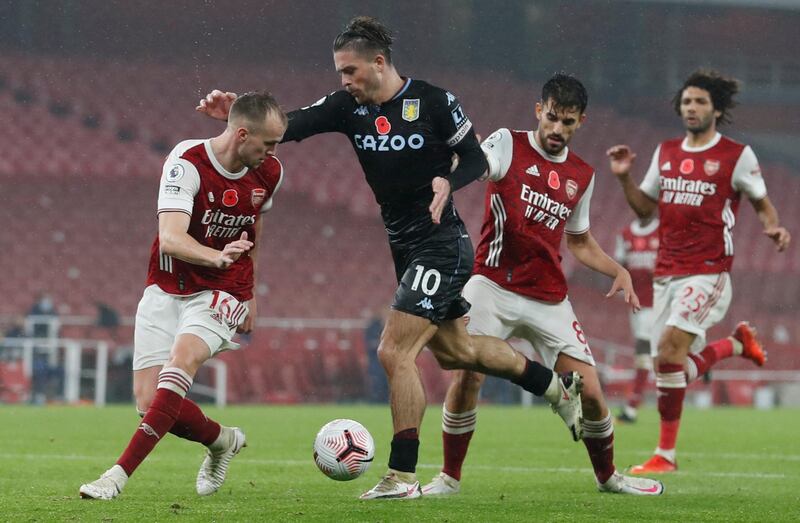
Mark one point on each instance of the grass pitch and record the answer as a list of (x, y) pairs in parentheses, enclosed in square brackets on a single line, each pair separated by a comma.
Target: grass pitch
[(735, 465)]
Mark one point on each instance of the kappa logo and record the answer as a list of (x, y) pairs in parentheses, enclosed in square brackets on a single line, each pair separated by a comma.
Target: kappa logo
[(147, 429), (666, 166), (533, 170), (553, 181), (425, 303), (361, 110), (410, 110), (711, 167), (450, 98)]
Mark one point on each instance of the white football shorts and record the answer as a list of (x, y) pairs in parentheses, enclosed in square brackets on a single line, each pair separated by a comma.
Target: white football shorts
[(210, 315), (642, 323), (551, 328), (691, 303)]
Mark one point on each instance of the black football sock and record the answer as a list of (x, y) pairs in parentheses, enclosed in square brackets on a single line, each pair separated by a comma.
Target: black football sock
[(535, 378), (405, 449)]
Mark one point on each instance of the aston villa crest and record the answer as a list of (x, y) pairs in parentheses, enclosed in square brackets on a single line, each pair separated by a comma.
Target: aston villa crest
[(411, 110)]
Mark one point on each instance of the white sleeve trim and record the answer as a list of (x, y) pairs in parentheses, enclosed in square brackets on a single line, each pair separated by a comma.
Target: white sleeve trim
[(578, 222), (498, 148), (747, 176), (268, 204), (180, 183), (651, 184)]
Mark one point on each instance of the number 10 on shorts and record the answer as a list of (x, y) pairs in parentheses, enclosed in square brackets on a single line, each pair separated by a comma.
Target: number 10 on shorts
[(424, 277)]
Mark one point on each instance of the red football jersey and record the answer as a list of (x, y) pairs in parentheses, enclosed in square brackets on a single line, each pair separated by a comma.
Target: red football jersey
[(222, 205), (531, 200), (637, 248), (698, 192)]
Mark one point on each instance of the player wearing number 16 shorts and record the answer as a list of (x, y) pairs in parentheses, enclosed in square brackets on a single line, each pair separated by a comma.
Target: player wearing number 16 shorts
[(200, 284), (538, 190)]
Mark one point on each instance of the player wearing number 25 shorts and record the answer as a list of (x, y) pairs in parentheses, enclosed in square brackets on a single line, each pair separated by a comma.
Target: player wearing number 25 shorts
[(199, 285)]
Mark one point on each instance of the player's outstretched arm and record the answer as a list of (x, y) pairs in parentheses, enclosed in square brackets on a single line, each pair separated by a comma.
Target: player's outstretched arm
[(768, 216), (216, 104), (621, 160), (174, 240), (587, 251)]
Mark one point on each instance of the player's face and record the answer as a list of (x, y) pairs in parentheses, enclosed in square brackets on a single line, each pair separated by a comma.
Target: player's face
[(260, 142), (360, 76), (697, 110), (556, 126)]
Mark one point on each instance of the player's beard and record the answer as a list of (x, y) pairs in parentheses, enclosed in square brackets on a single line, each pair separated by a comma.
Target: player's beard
[(701, 125), (552, 150)]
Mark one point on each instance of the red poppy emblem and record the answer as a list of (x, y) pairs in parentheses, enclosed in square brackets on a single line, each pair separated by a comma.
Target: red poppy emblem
[(230, 198), (553, 181), (687, 166), (382, 125)]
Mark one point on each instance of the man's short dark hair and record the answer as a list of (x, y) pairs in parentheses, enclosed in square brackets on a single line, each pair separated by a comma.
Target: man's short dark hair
[(366, 36), (721, 88), (254, 108), (566, 91)]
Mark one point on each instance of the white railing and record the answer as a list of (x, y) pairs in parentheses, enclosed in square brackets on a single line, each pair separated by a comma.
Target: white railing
[(72, 351)]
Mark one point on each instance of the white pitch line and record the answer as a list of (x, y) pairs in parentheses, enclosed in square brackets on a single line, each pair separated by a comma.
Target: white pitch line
[(309, 463)]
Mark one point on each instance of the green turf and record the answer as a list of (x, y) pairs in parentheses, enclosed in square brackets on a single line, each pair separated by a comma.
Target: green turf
[(736, 465)]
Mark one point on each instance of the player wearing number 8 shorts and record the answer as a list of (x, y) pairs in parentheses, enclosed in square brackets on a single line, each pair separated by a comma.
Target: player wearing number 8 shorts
[(538, 190), (200, 285), (696, 183)]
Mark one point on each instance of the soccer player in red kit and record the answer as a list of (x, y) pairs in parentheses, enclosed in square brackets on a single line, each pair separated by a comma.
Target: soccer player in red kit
[(696, 183), (636, 250), (538, 190), (200, 284)]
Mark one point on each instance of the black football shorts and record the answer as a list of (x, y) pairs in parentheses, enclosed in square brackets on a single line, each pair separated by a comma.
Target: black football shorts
[(431, 274)]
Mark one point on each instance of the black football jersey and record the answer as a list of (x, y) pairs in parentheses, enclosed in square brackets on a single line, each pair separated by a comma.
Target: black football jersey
[(402, 145)]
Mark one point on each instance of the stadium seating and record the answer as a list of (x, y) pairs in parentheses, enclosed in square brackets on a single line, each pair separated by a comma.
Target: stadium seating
[(80, 170)]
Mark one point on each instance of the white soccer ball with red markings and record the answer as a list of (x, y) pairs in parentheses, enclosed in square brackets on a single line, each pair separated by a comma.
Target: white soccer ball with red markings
[(343, 449)]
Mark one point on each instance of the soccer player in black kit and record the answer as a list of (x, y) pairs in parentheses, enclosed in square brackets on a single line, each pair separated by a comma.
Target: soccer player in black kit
[(405, 132)]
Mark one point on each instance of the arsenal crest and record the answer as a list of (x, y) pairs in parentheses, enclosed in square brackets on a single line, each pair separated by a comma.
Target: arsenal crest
[(257, 197), (711, 167), (411, 110), (572, 188)]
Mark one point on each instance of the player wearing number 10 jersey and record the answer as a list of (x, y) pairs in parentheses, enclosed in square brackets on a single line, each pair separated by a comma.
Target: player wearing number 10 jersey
[(696, 184), (405, 132), (211, 198), (538, 190)]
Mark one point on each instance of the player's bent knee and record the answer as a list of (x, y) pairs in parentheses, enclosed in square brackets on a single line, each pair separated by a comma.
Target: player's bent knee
[(469, 380)]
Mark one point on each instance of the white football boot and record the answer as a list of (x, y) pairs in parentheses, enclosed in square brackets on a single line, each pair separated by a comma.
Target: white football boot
[(395, 485), (564, 395), (108, 486), (619, 484), (441, 485), (212, 471)]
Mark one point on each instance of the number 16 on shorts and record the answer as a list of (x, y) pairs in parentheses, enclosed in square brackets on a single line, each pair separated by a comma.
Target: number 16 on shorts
[(225, 307)]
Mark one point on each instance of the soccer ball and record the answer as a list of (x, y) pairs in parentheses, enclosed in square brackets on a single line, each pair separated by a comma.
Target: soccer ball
[(343, 449)]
